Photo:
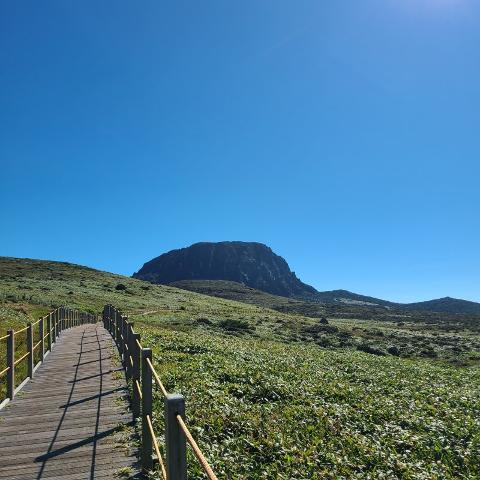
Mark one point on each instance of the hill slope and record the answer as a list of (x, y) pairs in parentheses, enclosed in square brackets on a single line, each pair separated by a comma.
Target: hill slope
[(33, 286), (29, 288), (263, 408), (250, 263)]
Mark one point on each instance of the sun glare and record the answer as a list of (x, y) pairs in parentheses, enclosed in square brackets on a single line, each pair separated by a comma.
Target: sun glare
[(431, 5)]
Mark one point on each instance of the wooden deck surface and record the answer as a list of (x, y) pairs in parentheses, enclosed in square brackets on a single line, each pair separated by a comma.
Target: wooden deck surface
[(72, 420)]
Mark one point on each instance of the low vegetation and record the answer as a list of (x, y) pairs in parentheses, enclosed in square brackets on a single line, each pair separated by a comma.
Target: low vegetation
[(284, 395), (264, 409)]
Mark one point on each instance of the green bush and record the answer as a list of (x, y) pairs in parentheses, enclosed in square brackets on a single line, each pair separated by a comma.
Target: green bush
[(234, 325)]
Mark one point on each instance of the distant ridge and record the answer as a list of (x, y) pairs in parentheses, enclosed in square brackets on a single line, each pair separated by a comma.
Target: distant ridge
[(255, 265), (447, 305)]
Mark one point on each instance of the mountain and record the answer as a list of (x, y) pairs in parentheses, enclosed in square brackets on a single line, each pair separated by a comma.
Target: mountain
[(344, 297), (250, 263), (255, 268), (447, 305)]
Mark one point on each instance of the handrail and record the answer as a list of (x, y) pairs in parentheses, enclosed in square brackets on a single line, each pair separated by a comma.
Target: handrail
[(157, 378), (50, 327), (21, 358), (139, 367), (139, 389), (196, 450), (157, 449), (37, 322)]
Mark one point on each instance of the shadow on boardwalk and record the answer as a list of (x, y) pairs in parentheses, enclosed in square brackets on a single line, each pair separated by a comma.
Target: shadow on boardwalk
[(69, 421)]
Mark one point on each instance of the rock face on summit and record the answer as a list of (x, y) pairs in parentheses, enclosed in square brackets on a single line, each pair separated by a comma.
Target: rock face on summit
[(250, 263)]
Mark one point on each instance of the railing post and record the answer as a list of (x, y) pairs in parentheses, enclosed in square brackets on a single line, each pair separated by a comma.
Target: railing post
[(30, 349), (124, 341), (119, 334), (136, 352), (147, 461), (175, 442), (41, 330), (117, 327), (11, 364), (56, 316), (111, 316), (128, 351), (49, 326)]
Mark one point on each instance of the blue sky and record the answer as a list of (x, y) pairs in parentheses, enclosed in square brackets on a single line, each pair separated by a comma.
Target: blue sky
[(343, 134)]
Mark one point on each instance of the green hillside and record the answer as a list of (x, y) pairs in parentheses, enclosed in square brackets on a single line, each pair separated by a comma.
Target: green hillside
[(274, 395), (242, 293), (29, 288), (32, 287)]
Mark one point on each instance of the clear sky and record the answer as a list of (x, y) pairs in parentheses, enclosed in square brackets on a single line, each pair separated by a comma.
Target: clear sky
[(343, 134)]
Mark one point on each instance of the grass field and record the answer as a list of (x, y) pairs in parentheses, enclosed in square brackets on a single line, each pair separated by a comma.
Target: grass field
[(266, 410), (279, 395)]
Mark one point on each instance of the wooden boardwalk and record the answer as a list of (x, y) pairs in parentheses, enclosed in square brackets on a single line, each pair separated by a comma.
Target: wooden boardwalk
[(72, 420)]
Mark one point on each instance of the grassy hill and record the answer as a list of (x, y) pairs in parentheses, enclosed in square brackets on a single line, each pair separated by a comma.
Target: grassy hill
[(32, 287), (29, 288), (242, 293), (275, 395)]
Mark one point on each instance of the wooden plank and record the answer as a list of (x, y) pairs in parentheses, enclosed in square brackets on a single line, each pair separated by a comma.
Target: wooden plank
[(65, 423)]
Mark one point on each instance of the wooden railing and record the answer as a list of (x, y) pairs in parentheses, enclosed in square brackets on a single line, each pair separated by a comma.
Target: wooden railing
[(48, 328), (140, 370)]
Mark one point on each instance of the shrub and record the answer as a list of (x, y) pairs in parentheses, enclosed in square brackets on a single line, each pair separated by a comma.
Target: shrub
[(234, 325), (203, 320), (120, 286), (364, 347), (393, 350), (316, 330)]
